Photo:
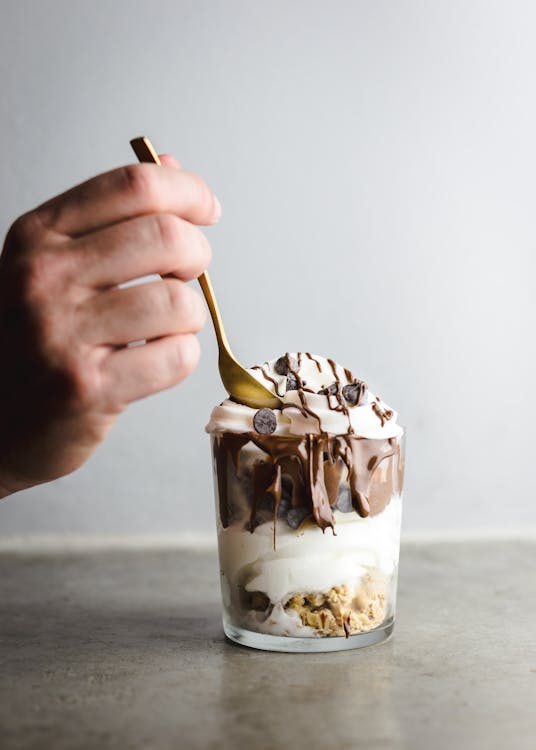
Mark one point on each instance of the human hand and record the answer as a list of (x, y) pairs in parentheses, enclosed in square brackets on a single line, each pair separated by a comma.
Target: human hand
[(66, 371)]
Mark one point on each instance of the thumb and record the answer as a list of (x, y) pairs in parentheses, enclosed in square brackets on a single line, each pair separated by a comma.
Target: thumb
[(169, 161)]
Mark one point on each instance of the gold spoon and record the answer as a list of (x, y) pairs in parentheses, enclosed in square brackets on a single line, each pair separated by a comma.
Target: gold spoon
[(237, 381)]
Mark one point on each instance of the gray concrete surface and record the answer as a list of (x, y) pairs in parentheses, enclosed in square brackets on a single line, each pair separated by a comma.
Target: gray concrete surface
[(125, 650)]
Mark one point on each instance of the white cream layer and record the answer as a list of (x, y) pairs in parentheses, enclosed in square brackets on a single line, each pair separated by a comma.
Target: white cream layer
[(365, 422), (310, 560)]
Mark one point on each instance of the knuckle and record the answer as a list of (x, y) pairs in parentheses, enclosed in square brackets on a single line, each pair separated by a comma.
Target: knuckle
[(168, 229), (185, 304), (42, 301), (198, 196), (195, 253), (178, 359), (25, 231), (82, 382), (141, 181), (200, 253), (41, 272), (172, 362), (187, 244), (184, 356), (202, 193), (175, 298), (199, 312)]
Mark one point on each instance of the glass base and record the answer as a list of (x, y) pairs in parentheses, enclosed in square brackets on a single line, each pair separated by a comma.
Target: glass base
[(308, 645)]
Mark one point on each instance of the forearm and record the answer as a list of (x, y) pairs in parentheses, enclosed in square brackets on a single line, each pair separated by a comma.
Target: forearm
[(9, 482), (4, 489)]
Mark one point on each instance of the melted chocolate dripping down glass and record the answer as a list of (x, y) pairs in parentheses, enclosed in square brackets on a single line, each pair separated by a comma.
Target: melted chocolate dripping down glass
[(311, 470)]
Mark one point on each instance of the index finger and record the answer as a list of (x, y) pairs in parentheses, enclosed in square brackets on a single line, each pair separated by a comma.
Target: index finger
[(127, 192)]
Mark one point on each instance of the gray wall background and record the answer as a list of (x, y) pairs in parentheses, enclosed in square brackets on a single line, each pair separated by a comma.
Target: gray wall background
[(376, 164)]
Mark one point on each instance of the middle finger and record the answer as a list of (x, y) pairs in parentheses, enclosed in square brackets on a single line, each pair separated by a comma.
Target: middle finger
[(147, 311), (162, 243)]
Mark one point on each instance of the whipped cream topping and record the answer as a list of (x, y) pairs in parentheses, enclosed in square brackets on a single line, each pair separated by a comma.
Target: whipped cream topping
[(318, 395)]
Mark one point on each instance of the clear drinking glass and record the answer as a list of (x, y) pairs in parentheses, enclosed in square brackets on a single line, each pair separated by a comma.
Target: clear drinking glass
[(289, 581)]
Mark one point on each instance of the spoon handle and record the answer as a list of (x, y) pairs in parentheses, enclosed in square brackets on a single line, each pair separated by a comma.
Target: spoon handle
[(208, 291), (144, 150)]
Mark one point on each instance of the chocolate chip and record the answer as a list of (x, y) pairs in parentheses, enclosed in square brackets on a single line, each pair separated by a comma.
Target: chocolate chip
[(282, 365), (331, 390), (354, 392), (264, 421), (292, 382), (295, 516)]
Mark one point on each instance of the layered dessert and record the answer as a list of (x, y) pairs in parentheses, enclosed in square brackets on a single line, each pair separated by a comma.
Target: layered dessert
[(308, 503)]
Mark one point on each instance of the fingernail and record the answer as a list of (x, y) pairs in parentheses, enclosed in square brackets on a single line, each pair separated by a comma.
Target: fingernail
[(217, 211)]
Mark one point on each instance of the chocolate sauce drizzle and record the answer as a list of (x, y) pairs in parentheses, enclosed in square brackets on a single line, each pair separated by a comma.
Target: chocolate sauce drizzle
[(383, 414), (313, 467), (317, 363), (268, 377), (340, 405)]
